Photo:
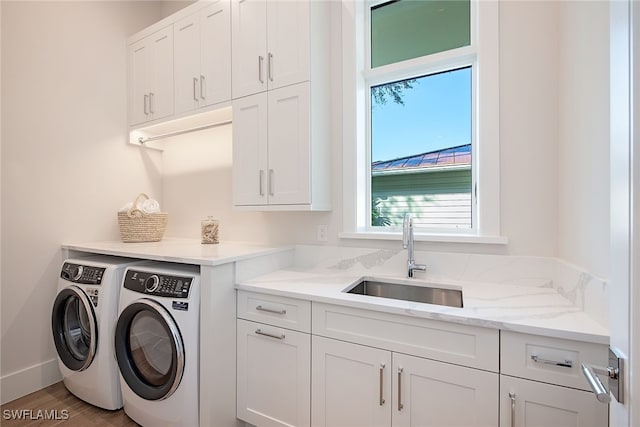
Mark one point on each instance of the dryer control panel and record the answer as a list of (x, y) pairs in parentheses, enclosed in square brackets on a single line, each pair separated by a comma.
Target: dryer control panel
[(82, 274), (158, 284)]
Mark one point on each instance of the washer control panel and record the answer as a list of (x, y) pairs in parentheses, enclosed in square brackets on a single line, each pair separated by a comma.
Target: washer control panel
[(82, 274), (158, 284)]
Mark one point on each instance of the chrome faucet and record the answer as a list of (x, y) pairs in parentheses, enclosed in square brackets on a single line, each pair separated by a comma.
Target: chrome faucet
[(407, 243)]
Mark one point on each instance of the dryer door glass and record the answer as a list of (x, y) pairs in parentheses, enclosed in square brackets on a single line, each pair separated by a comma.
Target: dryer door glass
[(149, 350), (73, 322), (77, 328)]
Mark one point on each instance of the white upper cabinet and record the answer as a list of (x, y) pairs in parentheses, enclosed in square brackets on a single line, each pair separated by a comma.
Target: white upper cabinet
[(271, 158), (288, 42), (151, 77), (249, 46), (250, 150), (202, 56), (271, 45), (281, 110)]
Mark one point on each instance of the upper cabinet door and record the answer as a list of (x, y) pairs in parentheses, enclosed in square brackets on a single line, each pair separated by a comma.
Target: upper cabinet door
[(139, 58), (161, 92), (249, 172), (288, 43), (187, 63), (249, 47), (289, 172), (151, 77), (215, 78)]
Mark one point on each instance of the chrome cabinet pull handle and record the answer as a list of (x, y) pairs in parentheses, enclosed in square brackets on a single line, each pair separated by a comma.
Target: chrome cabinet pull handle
[(202, 87), (512, 396), (260, 61), (271, 182), (146, 100), (564, 364), (400, 405), (381, 391), (261, 179), (195, 83), (270, 310), (151, 98), (267, 334), (270, 66)]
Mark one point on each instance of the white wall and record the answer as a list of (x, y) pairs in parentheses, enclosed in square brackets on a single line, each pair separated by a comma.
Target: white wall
[(66, 167), (583, 149), (528, 125)]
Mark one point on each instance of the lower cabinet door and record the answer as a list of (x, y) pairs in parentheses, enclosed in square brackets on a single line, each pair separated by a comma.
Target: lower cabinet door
[(351, 385), (427, 393), (526, 403), (273, 375)]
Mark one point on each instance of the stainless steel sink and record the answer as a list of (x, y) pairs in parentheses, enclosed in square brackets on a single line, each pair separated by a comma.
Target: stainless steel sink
[(408, 292)]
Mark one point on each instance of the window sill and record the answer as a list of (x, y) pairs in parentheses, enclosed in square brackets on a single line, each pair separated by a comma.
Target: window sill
[(442, 238)]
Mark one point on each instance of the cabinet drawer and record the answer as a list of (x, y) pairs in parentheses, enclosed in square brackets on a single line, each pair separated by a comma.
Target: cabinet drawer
[(551, 360), (275, 310), (448, 342)]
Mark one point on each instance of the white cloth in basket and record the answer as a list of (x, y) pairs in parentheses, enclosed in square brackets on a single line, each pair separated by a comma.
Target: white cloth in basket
[(147, 206)]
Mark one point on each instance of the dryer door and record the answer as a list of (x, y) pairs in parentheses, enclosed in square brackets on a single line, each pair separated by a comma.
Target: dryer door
[(75, 332), (149, 350)]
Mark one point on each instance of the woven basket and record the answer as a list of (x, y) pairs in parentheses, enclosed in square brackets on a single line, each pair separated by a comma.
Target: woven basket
[(138, 226)]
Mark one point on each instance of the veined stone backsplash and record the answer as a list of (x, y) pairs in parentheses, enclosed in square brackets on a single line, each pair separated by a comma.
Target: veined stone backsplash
[(585, 291)]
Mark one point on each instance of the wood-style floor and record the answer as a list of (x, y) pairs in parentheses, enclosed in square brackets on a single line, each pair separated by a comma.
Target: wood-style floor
[(43, 407)]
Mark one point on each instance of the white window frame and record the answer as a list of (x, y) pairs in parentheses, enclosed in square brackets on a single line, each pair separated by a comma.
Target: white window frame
[(358, 77)]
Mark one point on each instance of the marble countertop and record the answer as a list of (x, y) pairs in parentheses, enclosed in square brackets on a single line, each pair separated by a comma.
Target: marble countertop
[(186, 251), (526, 309)]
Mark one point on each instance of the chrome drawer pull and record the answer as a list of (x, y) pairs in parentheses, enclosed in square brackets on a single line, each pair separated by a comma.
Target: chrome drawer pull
[(269, 310), (267, 334), (512, 396), (381, 374), (400, 405), (564, 364)]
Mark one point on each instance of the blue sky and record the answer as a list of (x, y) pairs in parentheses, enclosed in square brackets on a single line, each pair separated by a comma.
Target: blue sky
[(436, 114)]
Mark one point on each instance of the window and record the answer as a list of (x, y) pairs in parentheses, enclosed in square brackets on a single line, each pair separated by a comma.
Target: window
[(423, 136)]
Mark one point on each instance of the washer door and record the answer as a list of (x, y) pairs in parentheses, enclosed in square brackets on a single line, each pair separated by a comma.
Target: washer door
[(149, 350), (75, 332)]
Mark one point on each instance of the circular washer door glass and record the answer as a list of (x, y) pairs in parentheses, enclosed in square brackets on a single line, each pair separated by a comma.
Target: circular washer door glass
[(151, 349), (77, 328)]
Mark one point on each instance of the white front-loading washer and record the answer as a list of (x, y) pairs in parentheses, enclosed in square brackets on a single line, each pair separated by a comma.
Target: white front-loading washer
[(157, 344), (83, 321)]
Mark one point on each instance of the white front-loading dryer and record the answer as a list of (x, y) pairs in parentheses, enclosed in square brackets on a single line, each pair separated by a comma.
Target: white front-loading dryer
[(83, 321), (157, 344)]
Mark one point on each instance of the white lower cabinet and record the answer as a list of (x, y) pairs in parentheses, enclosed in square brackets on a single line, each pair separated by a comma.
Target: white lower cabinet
[(355, 385), (273, 375), (427, 393), (526, 403), (351, 384), (541, 383), (302, 363)]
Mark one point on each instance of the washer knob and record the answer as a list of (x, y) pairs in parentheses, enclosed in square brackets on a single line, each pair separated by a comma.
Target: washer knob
[(76, 273), (152, 282)]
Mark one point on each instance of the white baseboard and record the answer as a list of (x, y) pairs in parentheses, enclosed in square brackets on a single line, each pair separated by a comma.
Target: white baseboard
[(28, 380)]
